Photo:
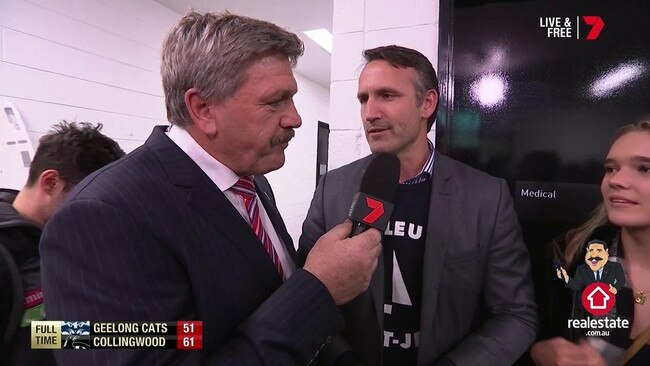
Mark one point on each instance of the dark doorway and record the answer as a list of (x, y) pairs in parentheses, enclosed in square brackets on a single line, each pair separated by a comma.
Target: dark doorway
[(528, 98), (322, 149)]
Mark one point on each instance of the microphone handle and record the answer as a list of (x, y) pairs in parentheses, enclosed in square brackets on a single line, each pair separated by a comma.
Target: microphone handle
[(358, 228)]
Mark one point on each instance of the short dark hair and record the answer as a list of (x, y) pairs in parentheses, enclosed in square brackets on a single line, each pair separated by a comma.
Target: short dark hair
[(74, 150), (597, 241), (402, 57)]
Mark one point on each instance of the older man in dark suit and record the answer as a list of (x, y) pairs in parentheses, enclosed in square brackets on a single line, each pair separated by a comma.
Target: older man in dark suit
[(185, 227), (453, 287)]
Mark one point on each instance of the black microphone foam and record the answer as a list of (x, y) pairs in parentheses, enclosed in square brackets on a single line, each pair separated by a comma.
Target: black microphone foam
[(373, 205)]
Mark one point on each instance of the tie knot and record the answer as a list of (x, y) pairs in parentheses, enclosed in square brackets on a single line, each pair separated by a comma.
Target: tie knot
[(245, 188)]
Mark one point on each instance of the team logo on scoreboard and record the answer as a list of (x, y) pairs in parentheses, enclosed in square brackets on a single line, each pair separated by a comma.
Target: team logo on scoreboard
[(75, 334)]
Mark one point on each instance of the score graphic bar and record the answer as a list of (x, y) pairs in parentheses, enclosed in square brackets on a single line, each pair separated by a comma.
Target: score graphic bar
[(182, 335)]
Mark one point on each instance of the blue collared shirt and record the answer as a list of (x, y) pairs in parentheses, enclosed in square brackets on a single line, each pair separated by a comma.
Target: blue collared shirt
[(427, 170)]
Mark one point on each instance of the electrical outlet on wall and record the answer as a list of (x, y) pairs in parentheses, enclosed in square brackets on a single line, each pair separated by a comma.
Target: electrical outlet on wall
[(16, 149)]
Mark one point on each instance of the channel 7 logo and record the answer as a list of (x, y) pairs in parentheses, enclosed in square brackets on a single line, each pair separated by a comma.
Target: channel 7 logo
[(596, 24), (569, 27)]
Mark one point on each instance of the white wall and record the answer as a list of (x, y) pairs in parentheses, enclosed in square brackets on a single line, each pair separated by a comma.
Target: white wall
[(86, 60), (98, 61), (360, 25)]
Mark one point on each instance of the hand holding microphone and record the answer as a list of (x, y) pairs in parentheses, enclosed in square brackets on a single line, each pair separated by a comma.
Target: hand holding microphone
[(344, 265), (345, 258), (374, 203)]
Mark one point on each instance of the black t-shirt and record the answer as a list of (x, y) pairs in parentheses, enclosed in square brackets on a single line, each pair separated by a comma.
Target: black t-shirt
[(403, 247)]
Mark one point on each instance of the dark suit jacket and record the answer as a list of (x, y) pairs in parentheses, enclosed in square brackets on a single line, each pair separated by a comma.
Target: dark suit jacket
[(613, 274), (151, 238), (478, 305)]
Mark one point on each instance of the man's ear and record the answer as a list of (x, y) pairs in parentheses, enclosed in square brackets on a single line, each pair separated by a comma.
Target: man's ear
[(50, 182), (201, 112), (429, 104)]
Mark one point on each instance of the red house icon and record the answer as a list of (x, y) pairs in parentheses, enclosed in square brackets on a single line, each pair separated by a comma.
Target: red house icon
[(598, 298)]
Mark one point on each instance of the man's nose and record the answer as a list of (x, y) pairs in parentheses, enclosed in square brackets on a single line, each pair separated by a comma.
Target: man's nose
[(371, 110), (292, 118)]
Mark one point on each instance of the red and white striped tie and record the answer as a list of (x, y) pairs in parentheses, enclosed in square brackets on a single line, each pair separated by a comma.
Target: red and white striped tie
[(246, 189)]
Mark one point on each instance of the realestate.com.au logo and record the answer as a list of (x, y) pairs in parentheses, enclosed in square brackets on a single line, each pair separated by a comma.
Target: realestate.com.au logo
[(569, 27), (598, 300)]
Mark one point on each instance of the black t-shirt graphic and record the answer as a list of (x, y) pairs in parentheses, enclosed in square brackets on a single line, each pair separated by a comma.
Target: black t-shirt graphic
[(403, 251)]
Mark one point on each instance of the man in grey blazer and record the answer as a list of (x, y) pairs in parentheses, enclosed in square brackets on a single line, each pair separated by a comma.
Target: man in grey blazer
[(453, 284), (186, 227)]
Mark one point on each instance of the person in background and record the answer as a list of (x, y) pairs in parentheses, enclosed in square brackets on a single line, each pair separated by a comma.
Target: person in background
[(623, 221), (454, 285), (186, 227), (63, 158)]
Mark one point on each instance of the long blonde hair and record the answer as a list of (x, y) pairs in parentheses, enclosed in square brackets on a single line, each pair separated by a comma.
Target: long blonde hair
[(575, 238)]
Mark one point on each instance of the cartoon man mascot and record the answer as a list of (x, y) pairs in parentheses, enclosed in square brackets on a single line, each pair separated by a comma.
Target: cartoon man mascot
[(598, 268)]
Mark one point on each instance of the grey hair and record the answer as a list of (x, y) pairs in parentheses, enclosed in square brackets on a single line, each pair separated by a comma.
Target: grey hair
[(212, 52)]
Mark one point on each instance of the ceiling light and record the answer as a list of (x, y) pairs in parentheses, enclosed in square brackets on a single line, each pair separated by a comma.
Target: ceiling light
[(617, 78), (489, 90), (321, 36)]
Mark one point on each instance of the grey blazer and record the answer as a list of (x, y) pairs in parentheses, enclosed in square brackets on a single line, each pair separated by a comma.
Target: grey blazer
[(478, 301)]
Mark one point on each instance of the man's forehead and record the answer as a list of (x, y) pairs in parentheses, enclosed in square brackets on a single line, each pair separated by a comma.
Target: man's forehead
[(268, 64), (385, 66), (269, 76), (385, 77), (596, 246)]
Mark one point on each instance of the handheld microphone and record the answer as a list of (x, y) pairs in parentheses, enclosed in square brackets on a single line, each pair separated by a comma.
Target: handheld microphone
[(373, 204), (556, 264)]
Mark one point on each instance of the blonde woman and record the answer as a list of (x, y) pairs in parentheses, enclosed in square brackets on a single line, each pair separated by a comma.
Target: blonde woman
[(623, 220)]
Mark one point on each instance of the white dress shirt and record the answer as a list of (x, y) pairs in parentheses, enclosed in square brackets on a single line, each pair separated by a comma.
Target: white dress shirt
[(224, 179)]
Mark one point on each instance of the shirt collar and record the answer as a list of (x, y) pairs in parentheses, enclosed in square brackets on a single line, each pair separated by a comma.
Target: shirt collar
[(221, 175), (427, 169)]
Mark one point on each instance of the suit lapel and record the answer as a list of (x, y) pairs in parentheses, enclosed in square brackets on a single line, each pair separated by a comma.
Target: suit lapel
[(437, 241), (262, 186), (588, 273), (210, 203)]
